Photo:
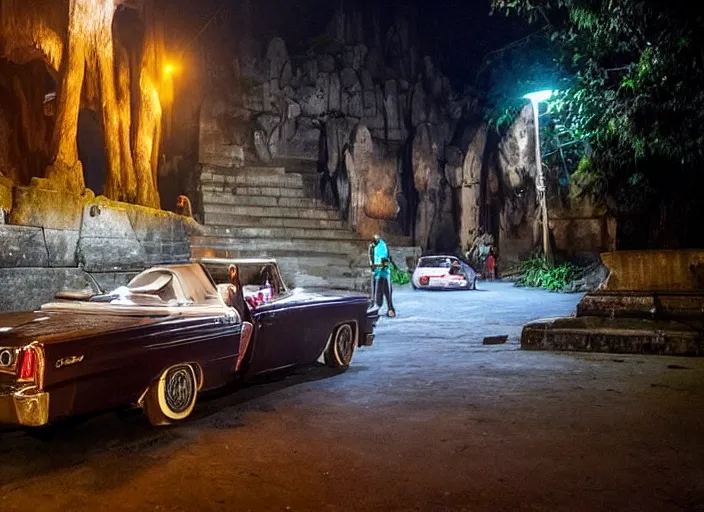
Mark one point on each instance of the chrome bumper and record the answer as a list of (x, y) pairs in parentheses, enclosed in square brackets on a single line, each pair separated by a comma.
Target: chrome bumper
[(368, 340), (27, 407)]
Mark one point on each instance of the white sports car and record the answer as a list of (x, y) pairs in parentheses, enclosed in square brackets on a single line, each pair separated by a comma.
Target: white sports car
[(443, 273)]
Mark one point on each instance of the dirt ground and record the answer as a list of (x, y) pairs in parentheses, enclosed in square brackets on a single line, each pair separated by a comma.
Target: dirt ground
[(426, 419)]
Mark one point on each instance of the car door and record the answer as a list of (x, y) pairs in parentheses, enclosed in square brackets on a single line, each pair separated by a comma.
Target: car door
[(271, 338), (283, 329)]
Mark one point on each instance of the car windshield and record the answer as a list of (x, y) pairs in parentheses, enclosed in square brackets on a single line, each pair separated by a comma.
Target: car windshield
[(253, 275), (435, 262)]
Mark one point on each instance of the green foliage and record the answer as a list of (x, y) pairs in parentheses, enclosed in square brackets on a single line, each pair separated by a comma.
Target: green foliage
[(635, 92), (536, 273), (398, 276)]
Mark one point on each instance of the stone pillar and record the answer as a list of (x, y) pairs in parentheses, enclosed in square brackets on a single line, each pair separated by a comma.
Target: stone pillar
[(358, 162), (425, 168), (463, 172)]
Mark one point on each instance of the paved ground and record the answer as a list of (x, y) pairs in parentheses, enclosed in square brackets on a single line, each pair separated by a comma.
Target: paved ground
[(426, 419)]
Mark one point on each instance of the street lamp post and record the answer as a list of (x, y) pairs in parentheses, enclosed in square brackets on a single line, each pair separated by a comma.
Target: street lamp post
[(535, 99)]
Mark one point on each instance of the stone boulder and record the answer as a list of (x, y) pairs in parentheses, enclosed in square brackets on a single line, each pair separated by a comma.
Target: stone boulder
[(217, 145), (424, 161), (372, 183), (276, 58), (337, 136), (359, 158), (297, 139), (381, 186), (519, 222), (463, 171)]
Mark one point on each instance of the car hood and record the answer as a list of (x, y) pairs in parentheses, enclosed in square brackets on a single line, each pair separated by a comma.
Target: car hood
[(17, 329)]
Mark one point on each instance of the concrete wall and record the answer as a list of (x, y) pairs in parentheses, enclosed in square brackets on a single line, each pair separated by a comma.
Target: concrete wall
[(111, 241), (655, 271), (584, 238)]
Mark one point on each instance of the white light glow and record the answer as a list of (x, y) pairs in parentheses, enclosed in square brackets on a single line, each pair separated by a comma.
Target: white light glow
[(538, 96)]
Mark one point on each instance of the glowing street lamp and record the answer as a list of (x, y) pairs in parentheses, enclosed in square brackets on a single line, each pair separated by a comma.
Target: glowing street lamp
[(535, 99), (538, 96)]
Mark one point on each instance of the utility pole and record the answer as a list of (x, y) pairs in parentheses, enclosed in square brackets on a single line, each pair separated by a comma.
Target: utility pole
[(540, 185)]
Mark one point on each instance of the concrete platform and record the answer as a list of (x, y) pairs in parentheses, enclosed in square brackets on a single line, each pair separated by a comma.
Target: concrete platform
[(649, 305), (615, 335)]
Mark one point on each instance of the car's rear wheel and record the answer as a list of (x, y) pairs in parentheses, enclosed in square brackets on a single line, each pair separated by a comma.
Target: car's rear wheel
[(341, 347), (172, 396)]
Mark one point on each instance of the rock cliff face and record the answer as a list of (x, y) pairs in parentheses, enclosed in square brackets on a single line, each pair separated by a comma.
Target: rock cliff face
[(518, 216), (365, 108)]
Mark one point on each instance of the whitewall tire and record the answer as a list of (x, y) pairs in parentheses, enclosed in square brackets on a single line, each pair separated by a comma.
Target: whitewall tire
[(172, 397)]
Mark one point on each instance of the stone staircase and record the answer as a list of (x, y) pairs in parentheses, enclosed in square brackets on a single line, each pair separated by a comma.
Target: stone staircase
[(268, 212)]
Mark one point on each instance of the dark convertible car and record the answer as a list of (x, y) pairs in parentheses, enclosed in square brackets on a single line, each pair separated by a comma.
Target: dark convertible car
[(171, 333)]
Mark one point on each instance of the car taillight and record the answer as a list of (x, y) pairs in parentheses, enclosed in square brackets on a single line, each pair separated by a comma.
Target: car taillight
[(424, 280), (27, 367)]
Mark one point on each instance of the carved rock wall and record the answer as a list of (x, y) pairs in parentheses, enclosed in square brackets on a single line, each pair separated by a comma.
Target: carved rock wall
[(88, 48), (519, 216), (397, 149), (310, 109)]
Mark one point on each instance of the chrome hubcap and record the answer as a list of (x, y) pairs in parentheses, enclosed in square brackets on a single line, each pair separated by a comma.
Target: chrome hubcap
[(345, 342), (179, 389)]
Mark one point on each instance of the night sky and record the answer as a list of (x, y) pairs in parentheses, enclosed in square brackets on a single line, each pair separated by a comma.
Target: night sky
[(457, 33)]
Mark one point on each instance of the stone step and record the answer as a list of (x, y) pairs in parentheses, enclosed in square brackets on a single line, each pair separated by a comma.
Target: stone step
[(224, 198), (225, 181), (249, 170), (261, 169), (271, 222), (309, 245), (282, 232), (334, 283), (224, 211), (316, 262), (342, 268), (257, 191)]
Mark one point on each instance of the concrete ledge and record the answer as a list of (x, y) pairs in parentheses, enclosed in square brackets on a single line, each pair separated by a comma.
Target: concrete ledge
[(617, 336), (57, 237), (46, 208), (648, 305), (22, 246), (671, 271)]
